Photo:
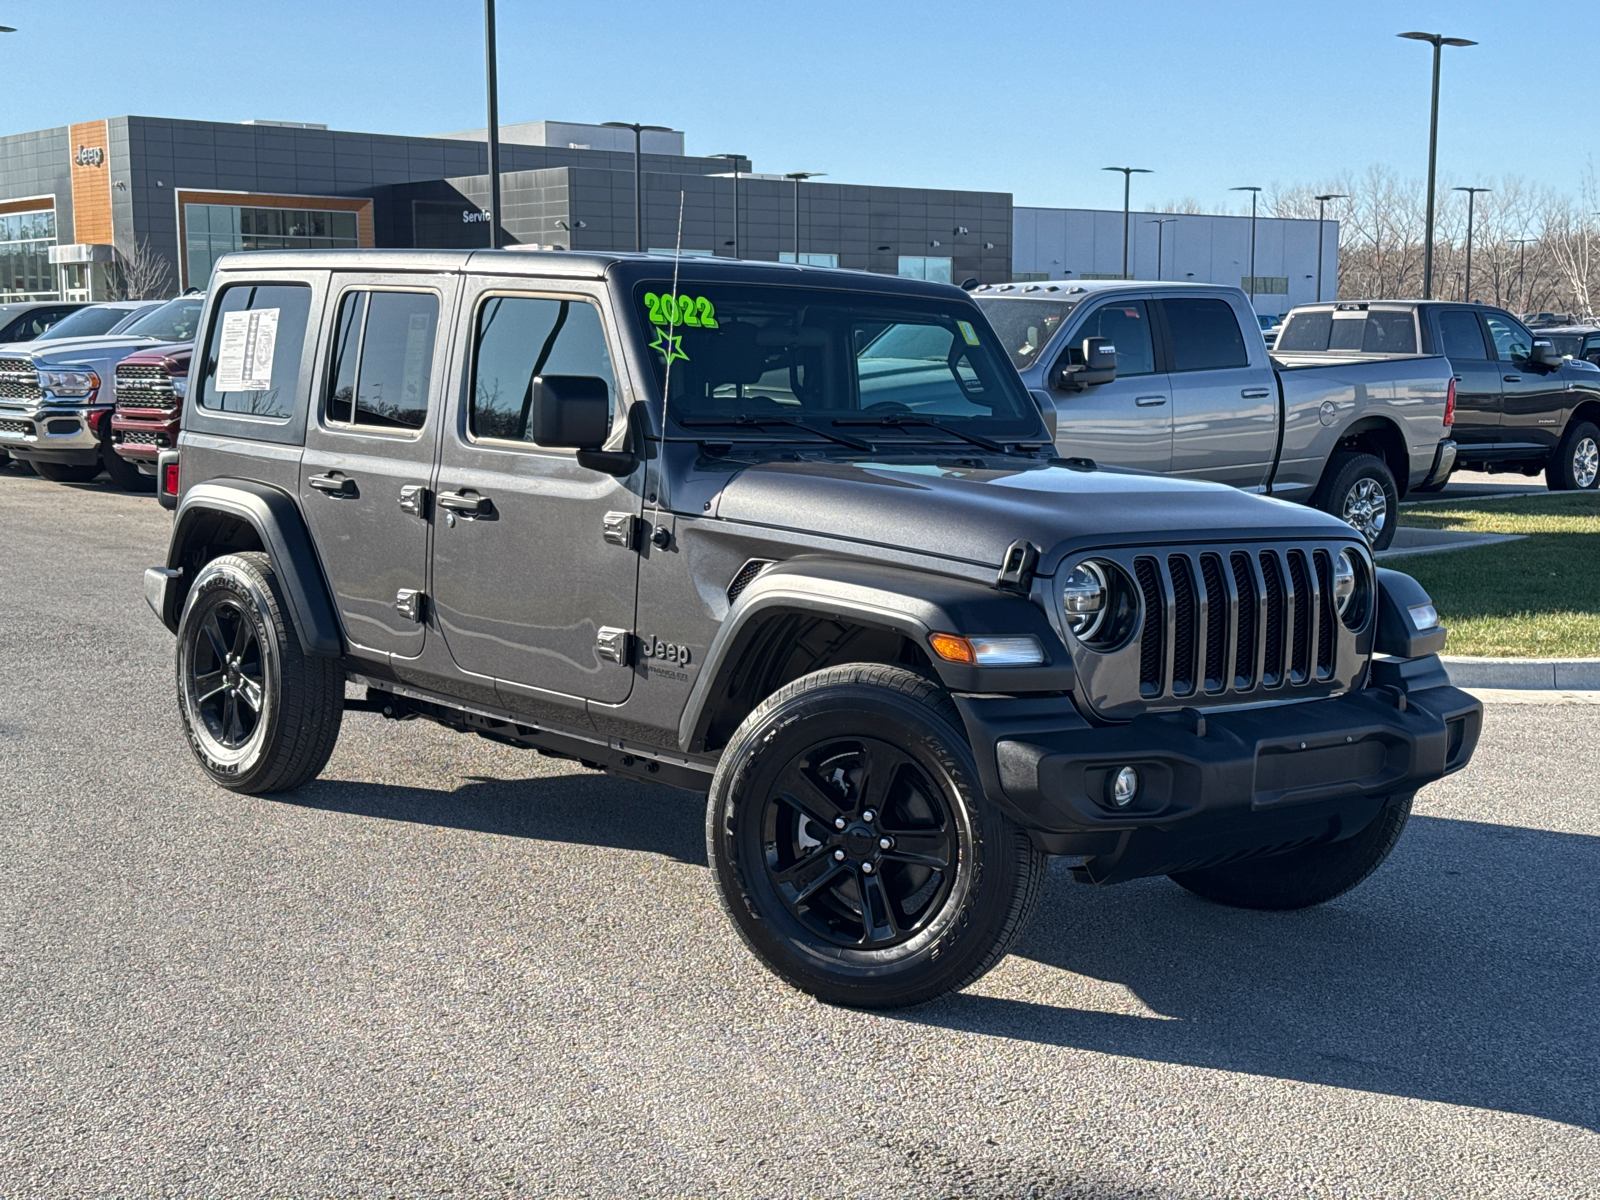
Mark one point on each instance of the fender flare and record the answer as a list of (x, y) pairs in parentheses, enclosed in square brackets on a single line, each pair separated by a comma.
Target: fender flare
[(276, 520), (911, 603)]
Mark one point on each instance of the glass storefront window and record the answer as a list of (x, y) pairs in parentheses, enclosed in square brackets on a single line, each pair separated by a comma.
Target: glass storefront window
[(917, 267), (212, 230), (810, 259), (25, 269)]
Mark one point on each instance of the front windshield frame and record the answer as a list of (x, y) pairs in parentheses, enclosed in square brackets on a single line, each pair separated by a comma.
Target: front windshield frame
[(838, 331), (55, 333), (149, 323)]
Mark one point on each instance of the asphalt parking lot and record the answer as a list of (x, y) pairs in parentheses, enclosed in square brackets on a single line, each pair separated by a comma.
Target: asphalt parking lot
[(450, 968)]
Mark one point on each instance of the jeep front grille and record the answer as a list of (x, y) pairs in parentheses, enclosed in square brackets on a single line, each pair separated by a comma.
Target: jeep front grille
[(144, 385), (19, 380)]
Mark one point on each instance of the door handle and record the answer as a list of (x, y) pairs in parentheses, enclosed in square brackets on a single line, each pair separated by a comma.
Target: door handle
[(1255, 393), (468, 503), (334, 485), (1512, 378), (1149, 401)]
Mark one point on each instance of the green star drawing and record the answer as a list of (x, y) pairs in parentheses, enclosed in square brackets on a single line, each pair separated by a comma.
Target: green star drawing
[(670, 344)]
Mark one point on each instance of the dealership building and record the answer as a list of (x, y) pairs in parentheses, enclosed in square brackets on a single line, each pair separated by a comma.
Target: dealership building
[(79, 203)]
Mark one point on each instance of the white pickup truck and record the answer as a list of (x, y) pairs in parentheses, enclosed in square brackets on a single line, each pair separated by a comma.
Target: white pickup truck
[(1176, 378)]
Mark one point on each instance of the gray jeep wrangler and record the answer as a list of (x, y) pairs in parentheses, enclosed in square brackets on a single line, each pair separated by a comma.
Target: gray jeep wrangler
[(797, 539)]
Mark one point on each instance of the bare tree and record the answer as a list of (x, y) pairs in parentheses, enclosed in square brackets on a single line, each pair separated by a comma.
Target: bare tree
[(138, 272)]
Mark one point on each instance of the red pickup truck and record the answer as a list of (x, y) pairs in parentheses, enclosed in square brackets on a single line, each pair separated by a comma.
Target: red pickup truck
[(149, 392)]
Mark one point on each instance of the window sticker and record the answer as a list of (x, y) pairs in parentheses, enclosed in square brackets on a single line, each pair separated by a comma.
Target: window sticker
[(669, 344), (244, 356), (696, 312), (968, 332), (419, 341)]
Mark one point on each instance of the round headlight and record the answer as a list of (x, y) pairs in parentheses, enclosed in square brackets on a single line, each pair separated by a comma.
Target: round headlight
[(1083, 599), (1344, 580)]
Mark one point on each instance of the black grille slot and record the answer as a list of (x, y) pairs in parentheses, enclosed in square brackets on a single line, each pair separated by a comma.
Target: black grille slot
[(1185, 625), (743, 577), (1325, 614), (1216, 622), (1244, 658), (25, 428), (144, 385), (1300, 643), (1155, 617), (1272, 576)]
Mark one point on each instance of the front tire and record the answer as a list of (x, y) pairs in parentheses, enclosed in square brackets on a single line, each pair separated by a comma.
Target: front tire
[(65, 473), (260, 715), (1303, 878), (125, 476), (1576, 463), (1360, 490), (852, 845)]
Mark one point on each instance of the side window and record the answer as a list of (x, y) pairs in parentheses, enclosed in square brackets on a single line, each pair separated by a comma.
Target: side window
[(252, 358), (1460, 335), (1512, 343), (1205, 335), (382, 361), (520, 337), (1126, 325)]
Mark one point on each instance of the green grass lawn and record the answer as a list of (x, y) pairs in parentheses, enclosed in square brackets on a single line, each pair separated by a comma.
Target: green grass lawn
[(1537, 598)]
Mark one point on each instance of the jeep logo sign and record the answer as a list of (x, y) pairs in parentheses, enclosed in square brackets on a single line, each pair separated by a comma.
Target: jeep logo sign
[(89, 156)]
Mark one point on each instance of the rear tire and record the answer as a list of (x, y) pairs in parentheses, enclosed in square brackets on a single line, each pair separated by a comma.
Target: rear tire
[(853, 847), (125, 476), (260, 715), (1360, 490), (63, 473), (1576, 463), (1302, 878)]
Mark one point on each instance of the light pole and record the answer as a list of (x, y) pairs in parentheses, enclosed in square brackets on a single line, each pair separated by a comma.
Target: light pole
[(1127, 182), (638, 190), (1438, 41), (1253, 191), (1322, 204), (1522, 270), (735, 159), (1472, 192), (1160, 223), (798, 176), (493, 132)]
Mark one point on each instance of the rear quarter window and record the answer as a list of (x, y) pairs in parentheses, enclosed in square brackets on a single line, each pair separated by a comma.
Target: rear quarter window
[(253, 352)]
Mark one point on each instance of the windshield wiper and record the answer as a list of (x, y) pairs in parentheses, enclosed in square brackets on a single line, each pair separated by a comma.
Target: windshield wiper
[(749, 419), (893, 422)]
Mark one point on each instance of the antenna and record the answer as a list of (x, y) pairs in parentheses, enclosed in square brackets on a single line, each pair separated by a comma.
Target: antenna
[(672, 325)]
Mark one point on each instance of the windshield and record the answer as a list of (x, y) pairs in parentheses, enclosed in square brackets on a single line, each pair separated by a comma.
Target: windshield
[(1026, 326), (174, 321), (1567, 344), (86, 322), (831, 360)]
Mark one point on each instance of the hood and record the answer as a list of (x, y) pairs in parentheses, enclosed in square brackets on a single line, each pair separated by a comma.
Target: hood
[(974, 513), (68, 350), (178, 352)]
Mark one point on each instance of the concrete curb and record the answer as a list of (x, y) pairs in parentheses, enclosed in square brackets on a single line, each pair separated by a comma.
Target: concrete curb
[(1568, 674)]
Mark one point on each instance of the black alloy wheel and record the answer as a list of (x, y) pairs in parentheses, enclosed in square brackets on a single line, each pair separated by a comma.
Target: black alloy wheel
[(226, 676)]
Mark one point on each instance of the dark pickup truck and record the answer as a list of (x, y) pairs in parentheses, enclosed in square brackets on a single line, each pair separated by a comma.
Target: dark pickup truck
[(1521, 405)]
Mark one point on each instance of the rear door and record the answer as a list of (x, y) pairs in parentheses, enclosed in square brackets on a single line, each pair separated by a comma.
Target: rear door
[(1225, 407), (1532, 397), (1477, 375), (369, 453), (526, 582), (1127, 422)]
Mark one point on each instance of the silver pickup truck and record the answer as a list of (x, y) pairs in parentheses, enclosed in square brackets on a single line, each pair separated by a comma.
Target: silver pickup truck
[(1175, 378)]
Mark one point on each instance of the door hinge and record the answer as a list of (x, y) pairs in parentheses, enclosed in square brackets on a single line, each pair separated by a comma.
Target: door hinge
[(408, 602), (612, 643), (414, 499), (622, 529)]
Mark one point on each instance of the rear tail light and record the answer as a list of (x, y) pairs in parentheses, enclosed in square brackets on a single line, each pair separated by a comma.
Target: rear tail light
[(1450, 406), (169, 479)]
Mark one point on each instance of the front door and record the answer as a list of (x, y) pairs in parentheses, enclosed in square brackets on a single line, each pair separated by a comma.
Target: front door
[(1532, 397), (1127, 422), (524, 578), (369, 454), (1477, 376), (1225, 408)]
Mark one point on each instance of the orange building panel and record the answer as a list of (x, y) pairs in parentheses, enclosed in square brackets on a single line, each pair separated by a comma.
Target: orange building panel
[(91, 184)]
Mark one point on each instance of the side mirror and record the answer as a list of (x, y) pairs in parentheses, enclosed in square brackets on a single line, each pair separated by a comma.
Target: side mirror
[(1099, 366), (573, 412), (1545, 353)]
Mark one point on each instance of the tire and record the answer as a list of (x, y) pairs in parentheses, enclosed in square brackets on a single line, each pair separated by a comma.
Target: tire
[(125, 477), (800, 765), (1576, 463), (1302, 878), (260, 715), (1351, 489), (63, 473)]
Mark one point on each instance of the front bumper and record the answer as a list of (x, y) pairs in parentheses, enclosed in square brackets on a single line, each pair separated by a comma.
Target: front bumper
[(1219, 785), (140, 436), (56, 431)]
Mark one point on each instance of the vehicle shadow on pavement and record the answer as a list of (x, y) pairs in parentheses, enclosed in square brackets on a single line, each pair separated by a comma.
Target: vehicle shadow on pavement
[(588, 809), (1467, 970)]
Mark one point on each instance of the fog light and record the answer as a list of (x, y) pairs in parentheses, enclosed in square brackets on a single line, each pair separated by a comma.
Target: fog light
[(1124, 787)]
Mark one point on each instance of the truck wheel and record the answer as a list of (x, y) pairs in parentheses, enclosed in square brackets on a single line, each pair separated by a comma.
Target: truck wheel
[(125, 477), (1360, 490), (1302, 878), (260, 716), (1576, 464), (64, 473), (853, 847)]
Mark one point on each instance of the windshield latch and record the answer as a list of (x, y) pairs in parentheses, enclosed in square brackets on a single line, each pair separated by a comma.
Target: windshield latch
[(1017, 564)]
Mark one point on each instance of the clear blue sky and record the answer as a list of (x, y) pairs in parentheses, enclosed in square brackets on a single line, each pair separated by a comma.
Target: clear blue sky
[(1031, 98)]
